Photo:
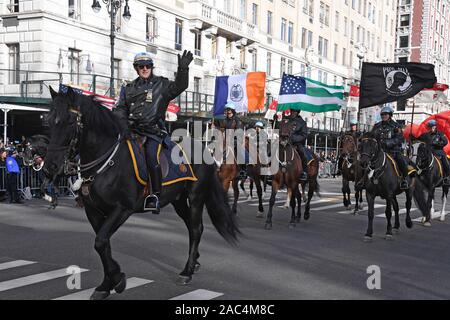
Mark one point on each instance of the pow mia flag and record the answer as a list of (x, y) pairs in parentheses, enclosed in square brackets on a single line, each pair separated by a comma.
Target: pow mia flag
[(387, 82)]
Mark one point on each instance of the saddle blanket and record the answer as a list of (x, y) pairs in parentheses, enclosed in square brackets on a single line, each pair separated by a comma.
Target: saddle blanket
[(171, 172)]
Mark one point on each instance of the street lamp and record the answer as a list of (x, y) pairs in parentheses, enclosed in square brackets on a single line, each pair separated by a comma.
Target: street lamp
[(113, 7)]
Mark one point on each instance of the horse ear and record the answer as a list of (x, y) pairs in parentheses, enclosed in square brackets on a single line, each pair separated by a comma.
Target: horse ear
[(53, 93)]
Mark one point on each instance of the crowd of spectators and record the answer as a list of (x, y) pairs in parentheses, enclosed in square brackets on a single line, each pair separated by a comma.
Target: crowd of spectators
[(10, 163)]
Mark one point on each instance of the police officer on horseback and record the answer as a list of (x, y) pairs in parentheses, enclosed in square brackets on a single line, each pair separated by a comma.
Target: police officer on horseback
[(389, 134), (298, 139), (438, 141), (356, 134), (141, 110)]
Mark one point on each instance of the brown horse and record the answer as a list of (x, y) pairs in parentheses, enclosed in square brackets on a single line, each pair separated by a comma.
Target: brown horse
[(351, 171), (288, 174), (312, 183)]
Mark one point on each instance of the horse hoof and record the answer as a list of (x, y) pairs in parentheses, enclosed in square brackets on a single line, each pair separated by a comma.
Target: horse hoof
[(367, 239), (427, 224), (268, 226), (259, 214), (197, 267), (291, 225), (306, 216), (99, 295), (122, 284), (389, 237), (409, 224), (183, 280)]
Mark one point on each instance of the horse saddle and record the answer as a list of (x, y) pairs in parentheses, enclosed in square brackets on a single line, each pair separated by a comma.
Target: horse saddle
[(171, 172)]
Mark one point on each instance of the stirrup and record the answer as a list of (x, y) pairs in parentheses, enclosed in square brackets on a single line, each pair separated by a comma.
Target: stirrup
[(151, 203), (242, 174), (303, 176)]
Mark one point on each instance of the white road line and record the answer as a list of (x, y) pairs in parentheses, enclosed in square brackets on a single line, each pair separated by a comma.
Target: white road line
[(376, 206), (402, 211), (266, 203), (199, 294), (332, 206), (86, 294), (35, 278), (14, 264)]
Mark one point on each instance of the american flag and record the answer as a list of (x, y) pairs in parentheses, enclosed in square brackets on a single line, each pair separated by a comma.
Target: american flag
[(105, 101)]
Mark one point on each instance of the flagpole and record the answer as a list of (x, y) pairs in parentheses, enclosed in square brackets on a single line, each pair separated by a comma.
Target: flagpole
[(411, 129)]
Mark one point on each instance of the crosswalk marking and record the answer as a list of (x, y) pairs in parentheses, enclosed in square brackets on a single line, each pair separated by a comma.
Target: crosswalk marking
[(35, 278), (86, 294), (199, 294), (14, 264), (401, 211), (436, 214)]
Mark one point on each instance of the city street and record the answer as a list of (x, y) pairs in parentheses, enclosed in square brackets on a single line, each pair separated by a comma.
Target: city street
[(322, 258)]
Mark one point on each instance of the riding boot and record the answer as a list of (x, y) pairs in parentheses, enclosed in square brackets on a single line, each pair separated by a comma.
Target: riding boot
[(304, 174), (151, 202), (339, 165), (403, 166)]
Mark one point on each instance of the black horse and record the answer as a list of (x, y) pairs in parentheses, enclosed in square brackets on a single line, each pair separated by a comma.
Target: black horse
[(80, 125), (382, 180), (431, 174), (35, 151)]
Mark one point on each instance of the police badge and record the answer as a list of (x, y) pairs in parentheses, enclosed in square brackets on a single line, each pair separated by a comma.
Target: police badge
[(149, 97)]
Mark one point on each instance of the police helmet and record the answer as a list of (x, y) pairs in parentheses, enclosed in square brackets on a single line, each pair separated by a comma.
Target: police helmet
[(230, 105), (387, 109), (431, 123), (353, 122), (143, 58), (259, 124)]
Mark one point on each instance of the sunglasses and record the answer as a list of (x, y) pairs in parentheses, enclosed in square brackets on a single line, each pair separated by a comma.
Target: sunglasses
[(145, 66)]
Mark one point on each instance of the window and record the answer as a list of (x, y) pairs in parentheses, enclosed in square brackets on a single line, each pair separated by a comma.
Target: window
[(197, 89), (74, 8), (13, 6), (310, 39), (255, 14), (151, 31), (254, 61), (335, 55), (198, 43), (283, 29), (227, 6), (14, 63), (303, 41), (242, 57), (323, 47), (243, 9), (336, 21), (269, 22), (291, 33), (282, 66), (404, 41), (345, 26), (344, 56), (269, 63), (289, 67), (302, 70), (74, 65), (228, 46), (178, 34)]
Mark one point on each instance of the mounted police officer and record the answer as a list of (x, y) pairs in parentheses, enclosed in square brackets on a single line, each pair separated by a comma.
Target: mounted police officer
[(438, 141), (356, 134), (389, 134), (141, 110), (298, 139)]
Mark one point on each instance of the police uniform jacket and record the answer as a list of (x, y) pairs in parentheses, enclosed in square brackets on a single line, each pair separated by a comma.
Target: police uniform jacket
[(389, 134)]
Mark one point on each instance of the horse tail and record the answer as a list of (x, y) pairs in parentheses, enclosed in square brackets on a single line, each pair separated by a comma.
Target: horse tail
[(220, 212), (419, 196)]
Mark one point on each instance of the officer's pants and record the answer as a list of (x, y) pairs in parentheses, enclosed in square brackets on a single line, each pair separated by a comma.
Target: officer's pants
[(444, 160), (154, 169), (11, 187), (401, 162)]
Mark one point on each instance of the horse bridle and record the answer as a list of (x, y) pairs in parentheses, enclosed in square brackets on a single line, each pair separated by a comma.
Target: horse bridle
[(373, 158), (426, 167)]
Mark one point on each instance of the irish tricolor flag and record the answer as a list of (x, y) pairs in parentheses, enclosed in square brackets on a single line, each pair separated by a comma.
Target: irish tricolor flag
[(301, 93), (245, 91)]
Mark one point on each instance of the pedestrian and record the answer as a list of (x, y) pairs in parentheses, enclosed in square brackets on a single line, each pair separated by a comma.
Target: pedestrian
[(12, 175)]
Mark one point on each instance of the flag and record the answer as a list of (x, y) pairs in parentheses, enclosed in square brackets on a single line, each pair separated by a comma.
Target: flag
[(388, 82), (301, 93), (171, 112), (354, 91), (105, 101), (245, 91), (435, 94), (272, 110)]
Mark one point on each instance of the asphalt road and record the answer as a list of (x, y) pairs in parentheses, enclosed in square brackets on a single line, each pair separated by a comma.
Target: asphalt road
[(322, 258)]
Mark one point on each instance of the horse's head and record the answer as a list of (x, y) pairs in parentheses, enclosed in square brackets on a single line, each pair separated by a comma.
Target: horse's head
[(286, 129), (65, 125), (368, 149), (348, 145), (424, 155)]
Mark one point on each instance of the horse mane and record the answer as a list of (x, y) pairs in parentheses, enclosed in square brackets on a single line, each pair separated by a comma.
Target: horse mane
[(98, 118)]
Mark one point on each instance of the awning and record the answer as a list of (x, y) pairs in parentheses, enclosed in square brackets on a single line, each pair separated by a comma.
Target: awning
[(12, 107)]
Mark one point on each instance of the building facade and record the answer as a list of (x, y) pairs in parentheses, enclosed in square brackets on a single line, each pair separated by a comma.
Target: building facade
[(54, 40), (423, 36)]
